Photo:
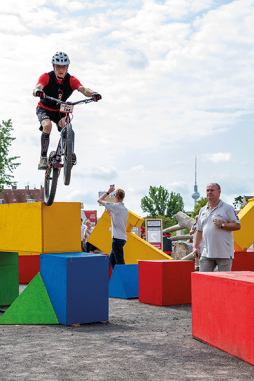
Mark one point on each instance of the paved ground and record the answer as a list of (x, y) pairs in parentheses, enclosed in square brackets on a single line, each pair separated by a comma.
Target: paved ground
[(140, 342)]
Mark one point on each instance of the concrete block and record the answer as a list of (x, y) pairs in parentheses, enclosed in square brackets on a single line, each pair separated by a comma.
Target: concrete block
[(77, 284), (9, 278), (32, 306), (44, 229), (29, 266), (223, 310), (124, 282), (165, 283), (243, 261)]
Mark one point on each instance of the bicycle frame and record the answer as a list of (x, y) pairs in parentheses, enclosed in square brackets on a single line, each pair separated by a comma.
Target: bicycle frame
[(65, 149)]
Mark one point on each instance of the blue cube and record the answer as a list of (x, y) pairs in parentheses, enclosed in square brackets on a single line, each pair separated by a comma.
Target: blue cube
[(77, 284), (123, 283)]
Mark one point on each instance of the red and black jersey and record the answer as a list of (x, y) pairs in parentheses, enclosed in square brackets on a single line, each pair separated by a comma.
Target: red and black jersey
[(59, 89)]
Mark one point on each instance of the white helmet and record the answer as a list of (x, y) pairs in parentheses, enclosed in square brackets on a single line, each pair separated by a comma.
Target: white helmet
[(60, 58)]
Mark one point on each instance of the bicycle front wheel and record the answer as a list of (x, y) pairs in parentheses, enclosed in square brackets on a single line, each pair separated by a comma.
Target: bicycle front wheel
[(50, 184), (68, 155)]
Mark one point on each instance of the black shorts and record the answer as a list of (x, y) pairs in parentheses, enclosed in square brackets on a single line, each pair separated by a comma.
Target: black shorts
[(54, 116)]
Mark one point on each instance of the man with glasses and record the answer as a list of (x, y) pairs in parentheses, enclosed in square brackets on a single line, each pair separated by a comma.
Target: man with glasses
[(58, 84)]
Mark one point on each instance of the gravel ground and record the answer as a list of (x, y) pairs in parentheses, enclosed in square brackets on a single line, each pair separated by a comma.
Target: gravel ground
[(140, 342)]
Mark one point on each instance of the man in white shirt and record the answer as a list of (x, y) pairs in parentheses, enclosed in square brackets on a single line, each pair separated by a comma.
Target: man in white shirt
[(119, 216), (216, 223)]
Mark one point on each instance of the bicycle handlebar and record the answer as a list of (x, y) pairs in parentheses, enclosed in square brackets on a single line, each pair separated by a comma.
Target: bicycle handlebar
[(69, 103)]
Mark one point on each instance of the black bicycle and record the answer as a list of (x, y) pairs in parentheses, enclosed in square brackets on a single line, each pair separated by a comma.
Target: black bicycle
[(65, 151)]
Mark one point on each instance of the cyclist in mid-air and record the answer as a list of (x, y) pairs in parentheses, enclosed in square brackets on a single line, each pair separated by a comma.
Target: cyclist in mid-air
[(58, 84)]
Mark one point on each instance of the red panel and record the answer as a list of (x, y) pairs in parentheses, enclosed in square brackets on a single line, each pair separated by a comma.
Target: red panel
[(243, 261), (29, 266), (223, 310), (165, 283), (109, 270), (150, 282)]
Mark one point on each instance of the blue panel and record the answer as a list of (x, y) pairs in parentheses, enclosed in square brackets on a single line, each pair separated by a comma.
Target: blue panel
[(54, 274), (116, 289), (124, 282), (77, 285)]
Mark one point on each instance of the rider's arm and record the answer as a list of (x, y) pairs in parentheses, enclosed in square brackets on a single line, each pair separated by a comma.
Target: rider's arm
[(37, 87), (102, 198), (84, 90)]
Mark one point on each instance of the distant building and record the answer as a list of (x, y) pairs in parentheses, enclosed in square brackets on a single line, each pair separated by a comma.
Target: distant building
[(14, 195)]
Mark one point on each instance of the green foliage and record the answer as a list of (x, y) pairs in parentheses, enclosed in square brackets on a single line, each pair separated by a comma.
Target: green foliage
[(238, 202), (6, 163), (156, 203), (175, 204), (200, 203), (160, 202)]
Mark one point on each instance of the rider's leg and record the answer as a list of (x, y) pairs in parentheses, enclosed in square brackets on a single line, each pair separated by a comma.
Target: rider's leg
[(47, 126), (61, 122)]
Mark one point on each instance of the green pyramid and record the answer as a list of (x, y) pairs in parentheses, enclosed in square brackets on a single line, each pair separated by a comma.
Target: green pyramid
[(32, 306)]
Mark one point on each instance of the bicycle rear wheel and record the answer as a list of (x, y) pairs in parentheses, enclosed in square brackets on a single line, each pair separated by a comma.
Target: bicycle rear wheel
[(50, 184), (68, 155)]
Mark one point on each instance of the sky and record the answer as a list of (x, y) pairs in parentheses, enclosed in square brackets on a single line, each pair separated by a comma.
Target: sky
[(176, 79)]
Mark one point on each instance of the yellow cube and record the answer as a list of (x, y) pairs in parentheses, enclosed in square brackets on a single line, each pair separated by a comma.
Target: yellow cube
[(37, 228)]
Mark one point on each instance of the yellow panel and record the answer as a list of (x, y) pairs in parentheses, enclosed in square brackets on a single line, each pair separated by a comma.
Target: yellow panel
[(34, 228), (245, 236), (20, 227), (61, 227), (26, 253), (133, 220), (101, 236), (135, 248)]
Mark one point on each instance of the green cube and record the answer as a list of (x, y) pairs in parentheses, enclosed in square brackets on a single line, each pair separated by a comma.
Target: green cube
[(9, 278)]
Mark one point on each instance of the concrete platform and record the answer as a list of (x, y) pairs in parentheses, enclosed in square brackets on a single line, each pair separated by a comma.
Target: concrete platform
[(140, 342)]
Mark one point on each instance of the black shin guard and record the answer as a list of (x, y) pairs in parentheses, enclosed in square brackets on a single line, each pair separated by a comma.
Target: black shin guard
[(44, 144)]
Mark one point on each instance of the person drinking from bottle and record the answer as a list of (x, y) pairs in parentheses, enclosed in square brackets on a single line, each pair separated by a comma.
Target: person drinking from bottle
[(58, 84), (119, 216)]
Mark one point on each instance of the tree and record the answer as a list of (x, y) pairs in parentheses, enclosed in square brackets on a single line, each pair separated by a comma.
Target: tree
[(175, 204), (156, 203), (200, 203), (6, 163), (238, 202)]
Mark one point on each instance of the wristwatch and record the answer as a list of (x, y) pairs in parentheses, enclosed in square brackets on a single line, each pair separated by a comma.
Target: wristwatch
[(223, 225)]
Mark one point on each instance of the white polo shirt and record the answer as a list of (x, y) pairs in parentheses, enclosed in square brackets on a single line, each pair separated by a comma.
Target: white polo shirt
[(119, 216), (218, 242)]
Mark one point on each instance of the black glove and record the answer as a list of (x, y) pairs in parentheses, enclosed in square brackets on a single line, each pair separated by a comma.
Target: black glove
[(40, 93), (96, 97)]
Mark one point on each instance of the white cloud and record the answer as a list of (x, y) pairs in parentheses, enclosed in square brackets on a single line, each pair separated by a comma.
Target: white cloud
[(217, 157), (106, 173), (176, 79)]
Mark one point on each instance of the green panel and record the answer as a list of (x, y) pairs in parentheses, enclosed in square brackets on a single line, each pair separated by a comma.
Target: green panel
[(8, 258), (33, 306), (9, 284)]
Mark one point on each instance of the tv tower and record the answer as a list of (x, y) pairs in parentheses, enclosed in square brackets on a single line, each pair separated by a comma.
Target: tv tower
[(196, 194)]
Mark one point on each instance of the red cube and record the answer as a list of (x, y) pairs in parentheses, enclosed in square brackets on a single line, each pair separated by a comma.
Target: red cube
[(243, 261), (223, 310), (165, 282)]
